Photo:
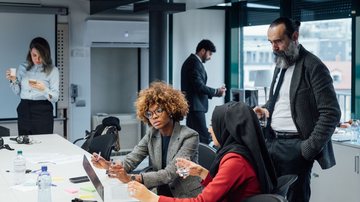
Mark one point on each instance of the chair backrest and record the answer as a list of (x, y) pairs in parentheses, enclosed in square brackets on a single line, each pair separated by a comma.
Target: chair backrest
[(207, 155), (266, 198), (4, 131), (283, 184), (104, 144)]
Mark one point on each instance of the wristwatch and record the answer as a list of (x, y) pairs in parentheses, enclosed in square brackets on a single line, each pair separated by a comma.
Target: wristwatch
[(132, 177)]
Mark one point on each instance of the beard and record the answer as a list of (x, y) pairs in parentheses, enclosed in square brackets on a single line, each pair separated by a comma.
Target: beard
[(204, 59), (285, 59)]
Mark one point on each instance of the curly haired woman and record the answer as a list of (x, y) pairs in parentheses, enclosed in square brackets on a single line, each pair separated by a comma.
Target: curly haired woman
[(162, 108)]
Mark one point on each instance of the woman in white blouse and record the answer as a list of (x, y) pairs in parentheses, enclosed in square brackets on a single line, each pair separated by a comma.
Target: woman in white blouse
[(37, 83)]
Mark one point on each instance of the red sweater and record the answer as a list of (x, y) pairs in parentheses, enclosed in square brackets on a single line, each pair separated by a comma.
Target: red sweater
[(235, 181)]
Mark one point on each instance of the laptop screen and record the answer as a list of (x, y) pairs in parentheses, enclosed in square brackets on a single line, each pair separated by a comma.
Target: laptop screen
[(93, 177)]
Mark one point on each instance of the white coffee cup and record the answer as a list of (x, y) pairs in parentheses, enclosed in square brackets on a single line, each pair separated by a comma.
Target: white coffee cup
[(12, 71)]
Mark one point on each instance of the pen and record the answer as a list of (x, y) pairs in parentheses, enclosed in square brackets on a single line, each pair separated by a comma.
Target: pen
[(98, 157)]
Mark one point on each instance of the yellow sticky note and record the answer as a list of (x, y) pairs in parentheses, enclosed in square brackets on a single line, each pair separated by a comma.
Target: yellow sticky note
[(86, 196), (57, 179)]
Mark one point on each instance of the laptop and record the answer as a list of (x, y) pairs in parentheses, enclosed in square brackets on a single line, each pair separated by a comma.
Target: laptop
[(93, 177), (111, 190)]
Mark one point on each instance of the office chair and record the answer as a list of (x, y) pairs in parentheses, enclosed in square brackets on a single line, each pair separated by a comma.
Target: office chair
[(207, 155), (266, 198), (4, 131), (280, 192), (283, 184), (104, 144)]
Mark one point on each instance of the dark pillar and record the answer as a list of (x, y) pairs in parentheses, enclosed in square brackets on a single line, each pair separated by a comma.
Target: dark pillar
[(285, 8), (235, 19), (157, 44)]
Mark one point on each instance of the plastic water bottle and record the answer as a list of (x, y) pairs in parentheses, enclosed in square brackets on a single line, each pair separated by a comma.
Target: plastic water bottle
[(19, 168), (44, 185)]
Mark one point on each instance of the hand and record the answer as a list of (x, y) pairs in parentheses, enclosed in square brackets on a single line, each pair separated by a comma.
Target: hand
[(9, 77), (194, 169), (140, 192), (260, 112), (37, 85), (220, 91), (118, 171), (99, 162)]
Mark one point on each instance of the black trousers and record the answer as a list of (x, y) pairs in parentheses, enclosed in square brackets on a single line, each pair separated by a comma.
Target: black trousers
[(287, 159), (35, 117), (197, 122)]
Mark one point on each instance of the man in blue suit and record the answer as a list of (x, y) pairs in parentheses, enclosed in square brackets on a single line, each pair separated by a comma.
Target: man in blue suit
[(193, 84)]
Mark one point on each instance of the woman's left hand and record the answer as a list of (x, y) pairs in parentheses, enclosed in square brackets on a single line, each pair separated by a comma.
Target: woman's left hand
[(37, 85), (117, 171), (140, 192)]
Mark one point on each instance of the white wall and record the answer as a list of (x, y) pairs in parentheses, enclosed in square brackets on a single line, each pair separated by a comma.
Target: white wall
[(114, 80), (79, 118), (79, 65), (190, 28)]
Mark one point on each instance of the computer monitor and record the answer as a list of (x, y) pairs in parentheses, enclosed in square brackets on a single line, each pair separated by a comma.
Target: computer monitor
[(248, 96)]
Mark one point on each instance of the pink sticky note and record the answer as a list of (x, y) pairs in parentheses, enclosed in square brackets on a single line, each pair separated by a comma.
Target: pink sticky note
[(72, 190)]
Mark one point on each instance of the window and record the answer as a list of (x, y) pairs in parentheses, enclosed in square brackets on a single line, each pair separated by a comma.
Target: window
[(330, 40)]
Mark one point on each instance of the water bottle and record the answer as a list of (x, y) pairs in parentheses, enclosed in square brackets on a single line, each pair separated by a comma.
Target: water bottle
[(19, 168), (44, 185)]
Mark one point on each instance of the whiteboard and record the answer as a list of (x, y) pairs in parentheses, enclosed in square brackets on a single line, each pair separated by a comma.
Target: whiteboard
[(17, 30)]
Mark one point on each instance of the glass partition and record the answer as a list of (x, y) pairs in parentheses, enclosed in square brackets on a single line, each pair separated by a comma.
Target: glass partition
[(357, 72)]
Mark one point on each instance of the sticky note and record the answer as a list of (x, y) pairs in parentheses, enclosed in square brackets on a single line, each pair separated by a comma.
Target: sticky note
[(86, 196), (57, 179), (72, 190), (88, 188)]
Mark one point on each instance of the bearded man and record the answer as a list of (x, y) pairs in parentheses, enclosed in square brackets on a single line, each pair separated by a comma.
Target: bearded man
[(302, 110)]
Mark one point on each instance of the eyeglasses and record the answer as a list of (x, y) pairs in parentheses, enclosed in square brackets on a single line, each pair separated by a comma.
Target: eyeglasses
[(157, 112)]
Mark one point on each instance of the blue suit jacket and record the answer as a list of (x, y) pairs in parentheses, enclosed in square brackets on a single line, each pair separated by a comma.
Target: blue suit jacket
[(193, 84)]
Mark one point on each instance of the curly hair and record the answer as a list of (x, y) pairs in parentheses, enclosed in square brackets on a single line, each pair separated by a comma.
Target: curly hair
[(165, 96)]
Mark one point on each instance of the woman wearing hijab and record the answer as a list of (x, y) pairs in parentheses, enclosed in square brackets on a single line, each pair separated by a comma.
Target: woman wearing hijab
[(242, 167)]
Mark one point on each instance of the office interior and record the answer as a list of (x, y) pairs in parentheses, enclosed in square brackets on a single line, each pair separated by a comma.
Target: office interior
[(108, 50)]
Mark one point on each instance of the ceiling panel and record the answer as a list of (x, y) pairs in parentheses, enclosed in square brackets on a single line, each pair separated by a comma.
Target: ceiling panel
[(127, 6)]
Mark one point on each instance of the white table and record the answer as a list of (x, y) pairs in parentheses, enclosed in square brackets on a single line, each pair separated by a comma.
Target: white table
[(71, 166)]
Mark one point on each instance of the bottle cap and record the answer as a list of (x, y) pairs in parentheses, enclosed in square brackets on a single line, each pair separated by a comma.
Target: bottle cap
[(43, 168), (19, 152)]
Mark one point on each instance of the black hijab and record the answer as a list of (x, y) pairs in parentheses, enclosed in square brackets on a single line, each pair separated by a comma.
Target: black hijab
[(237, 130)]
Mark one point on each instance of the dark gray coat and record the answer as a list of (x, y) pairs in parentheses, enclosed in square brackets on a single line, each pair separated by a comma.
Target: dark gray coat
[(314, 107)]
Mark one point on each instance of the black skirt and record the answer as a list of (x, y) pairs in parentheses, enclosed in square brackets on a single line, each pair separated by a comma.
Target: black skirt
[(35, 117)]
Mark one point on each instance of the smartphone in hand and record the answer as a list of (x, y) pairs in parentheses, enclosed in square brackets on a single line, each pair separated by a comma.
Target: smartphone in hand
[(32, 81)]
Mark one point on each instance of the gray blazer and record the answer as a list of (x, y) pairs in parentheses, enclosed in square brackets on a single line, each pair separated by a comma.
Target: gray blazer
[(183, 143), (314, 107)]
